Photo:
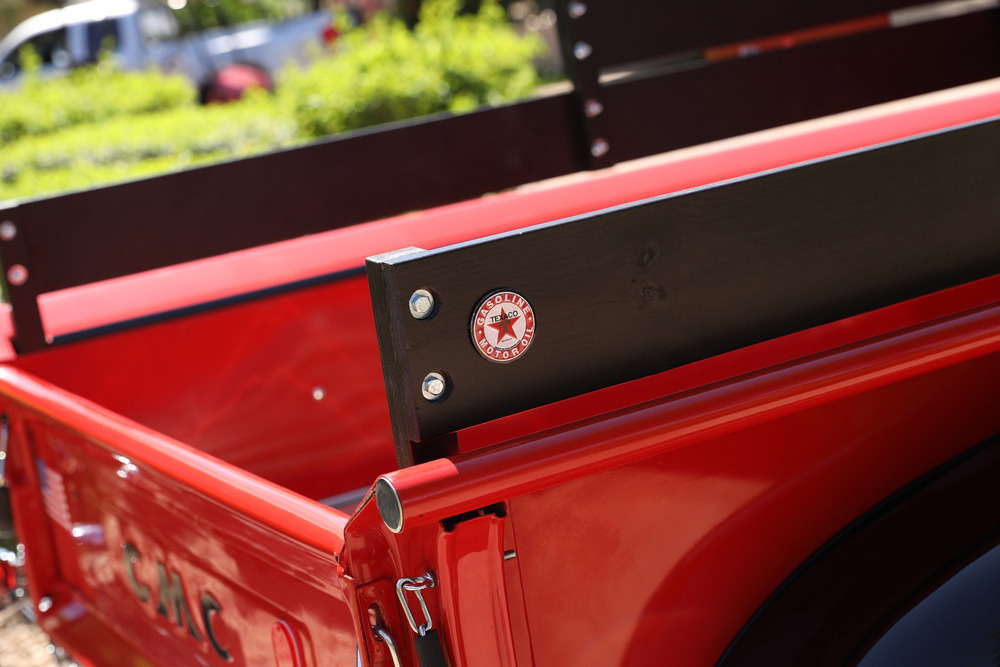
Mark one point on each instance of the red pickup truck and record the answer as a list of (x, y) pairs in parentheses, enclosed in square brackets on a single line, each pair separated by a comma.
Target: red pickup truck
[(736, 403)]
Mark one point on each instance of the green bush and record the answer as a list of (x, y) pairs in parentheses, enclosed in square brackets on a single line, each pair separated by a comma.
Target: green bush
[(129, 147), (87, 95), (99, 124), (383, 71), (198, 15)]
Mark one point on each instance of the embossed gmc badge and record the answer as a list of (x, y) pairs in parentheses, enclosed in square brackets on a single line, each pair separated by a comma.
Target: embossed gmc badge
[(503, 326)]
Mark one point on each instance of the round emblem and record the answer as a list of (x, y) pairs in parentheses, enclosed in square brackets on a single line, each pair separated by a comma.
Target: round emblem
[(503, 326)]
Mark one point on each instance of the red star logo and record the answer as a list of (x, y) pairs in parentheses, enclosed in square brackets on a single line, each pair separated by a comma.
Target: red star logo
[(505, 327)]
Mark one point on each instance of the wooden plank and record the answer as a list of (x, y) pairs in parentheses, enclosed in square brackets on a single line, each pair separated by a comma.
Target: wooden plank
[(627, 31), (640, 289), (726, 99), (114, 231)]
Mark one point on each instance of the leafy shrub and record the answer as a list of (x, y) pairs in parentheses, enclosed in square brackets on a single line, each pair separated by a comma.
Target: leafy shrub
[(204, 14), (99, 124), (383, 71), (87, 95), (128, 147)]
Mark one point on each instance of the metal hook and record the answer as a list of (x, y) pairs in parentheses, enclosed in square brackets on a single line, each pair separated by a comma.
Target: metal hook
[(415, 585)]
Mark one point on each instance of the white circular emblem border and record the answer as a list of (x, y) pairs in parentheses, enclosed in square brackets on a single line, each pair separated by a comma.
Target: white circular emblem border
[(503, 314)]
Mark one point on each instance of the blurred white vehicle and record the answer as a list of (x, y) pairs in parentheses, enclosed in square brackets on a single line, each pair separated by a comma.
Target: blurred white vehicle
[(147, 34)]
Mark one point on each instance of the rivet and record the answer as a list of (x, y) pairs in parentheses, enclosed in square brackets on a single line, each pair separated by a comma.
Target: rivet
[(434, 386), (582, 50), (8, 230), (17, 275), (576, 10), (599, 148), (592, 108), (318, 393), (421, 304)]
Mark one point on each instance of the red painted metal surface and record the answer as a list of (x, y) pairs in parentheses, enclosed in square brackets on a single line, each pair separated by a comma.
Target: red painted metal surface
[(658, 530), (647, 521), (444, 487), (474, 595), (288, 388), (188, 559)]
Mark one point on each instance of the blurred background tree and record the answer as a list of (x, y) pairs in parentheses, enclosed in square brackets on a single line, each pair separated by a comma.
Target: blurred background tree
[(13, 12), (197, 15)]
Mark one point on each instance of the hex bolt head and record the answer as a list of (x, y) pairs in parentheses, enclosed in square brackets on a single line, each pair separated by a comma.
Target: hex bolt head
[(17, 275), (582, 50), (8, 230), (599, 148), (576, 10), (434, 386), (422, 304), (592, 108)]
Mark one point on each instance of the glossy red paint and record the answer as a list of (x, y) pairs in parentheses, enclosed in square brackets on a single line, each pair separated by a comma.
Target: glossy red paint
[(287, 646), (658, 530), (297, 373), (474, 593), (190, 559), (648, 520), (445, 487)]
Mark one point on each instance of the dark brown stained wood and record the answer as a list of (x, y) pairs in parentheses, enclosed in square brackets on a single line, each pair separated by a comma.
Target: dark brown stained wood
[(640, 289), (634, 30), (124, 229), (656, 114)]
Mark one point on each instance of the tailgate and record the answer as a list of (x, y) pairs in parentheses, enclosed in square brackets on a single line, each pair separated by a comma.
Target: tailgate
[(142, 550)]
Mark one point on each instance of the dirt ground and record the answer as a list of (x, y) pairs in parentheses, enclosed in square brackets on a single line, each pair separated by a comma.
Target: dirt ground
[(22, 644)]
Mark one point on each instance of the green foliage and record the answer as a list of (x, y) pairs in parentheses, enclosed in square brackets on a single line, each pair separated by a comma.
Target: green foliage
[(198, 15), (99, 124), (87, 95), (384, 71), (129, 147)]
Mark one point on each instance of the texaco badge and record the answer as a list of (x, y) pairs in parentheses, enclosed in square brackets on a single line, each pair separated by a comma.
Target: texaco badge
[(503, 326)]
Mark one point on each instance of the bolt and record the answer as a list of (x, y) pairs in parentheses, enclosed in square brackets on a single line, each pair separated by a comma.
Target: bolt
[(582, 50), (17, 275), (592, 108), (434, 386), (422, 304), (599, 148), (45, 604), (576, 10), (8, 230)]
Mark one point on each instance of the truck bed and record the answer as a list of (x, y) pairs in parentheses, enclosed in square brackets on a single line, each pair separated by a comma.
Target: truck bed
[(219, 452)]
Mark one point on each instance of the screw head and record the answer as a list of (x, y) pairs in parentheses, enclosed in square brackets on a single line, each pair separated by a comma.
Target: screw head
[(17, 275), (582, 50), (8, 230), (434, 386), (599, 148), (576, 10), (318, 393), (422, 304), (45, 604), (592, 108)]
